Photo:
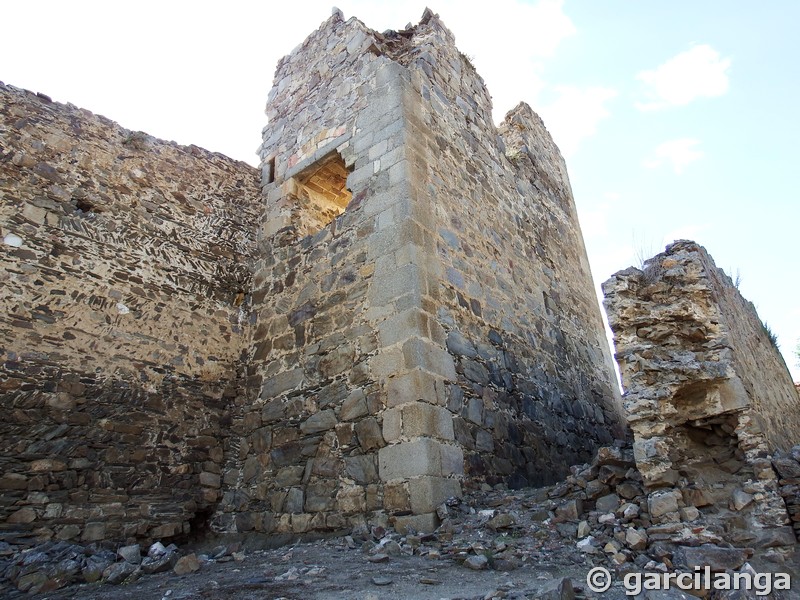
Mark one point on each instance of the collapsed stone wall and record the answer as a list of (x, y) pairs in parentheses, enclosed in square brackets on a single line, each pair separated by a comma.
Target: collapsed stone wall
[(707, 395), (787, 465), (123, 265)]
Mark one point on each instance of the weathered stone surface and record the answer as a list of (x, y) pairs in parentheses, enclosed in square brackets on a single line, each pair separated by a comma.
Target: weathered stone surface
[(354, 407), (160, 563), (459, 345), (662, 502), (477, 563), (131, 344), (570, 510), (321, 421), (186, 564), (417, 419), (23, 515), (608, 503), (740, 499), (93, 571), (369, 434), (557, 589), (420, 457), (363, 469), (209, 479), (501, 521), (427, 493), (636, 539), (719, 559), (787, 468), (131, 554), (118, 572), (708, 395)]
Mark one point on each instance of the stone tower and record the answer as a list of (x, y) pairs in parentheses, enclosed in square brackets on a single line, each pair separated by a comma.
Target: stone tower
[(425, 312)]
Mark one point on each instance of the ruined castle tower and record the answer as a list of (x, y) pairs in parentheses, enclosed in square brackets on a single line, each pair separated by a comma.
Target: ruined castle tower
[(403, 307), (425, 312)]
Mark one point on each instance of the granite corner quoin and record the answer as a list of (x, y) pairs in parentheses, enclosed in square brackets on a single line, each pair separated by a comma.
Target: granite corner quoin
[(397, 306)]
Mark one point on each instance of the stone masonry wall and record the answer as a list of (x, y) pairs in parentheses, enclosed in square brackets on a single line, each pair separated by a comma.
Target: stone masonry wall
[(535, 389), (708, 396), (123, 266)]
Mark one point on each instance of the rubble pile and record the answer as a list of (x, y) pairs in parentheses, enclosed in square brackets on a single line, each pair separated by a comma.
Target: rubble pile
[(53, 565), (708, 397), (605, 507), (544, 539)]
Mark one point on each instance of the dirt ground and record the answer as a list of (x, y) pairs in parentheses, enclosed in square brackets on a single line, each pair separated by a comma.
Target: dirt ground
[(329, 570)]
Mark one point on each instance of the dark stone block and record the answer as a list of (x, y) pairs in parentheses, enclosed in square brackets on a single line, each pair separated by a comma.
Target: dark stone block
[(321, 496), (362, 469), (459, 345), (369, 434), (476, 372), (463, 433), (301, 314), (455, 398), (517, 480), (286, 455), (475, 307), (495, 376), (474, 465)]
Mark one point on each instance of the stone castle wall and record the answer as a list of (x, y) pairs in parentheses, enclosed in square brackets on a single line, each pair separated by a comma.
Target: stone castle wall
[(707, 395), (326, 303), (123, 268)]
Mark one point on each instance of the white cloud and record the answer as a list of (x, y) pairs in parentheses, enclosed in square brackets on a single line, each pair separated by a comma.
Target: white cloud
[(677, 153), (574, 115), (699, 72)]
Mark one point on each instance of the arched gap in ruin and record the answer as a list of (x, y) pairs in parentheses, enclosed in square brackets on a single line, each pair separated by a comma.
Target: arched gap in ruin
[(710, 458), (199, 529)]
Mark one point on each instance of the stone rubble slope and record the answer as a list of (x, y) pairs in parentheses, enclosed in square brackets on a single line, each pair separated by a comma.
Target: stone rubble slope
[(599, 516)]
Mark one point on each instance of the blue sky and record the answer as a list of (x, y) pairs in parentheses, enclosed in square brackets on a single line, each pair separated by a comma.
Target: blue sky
[(677, 119)]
